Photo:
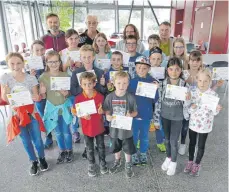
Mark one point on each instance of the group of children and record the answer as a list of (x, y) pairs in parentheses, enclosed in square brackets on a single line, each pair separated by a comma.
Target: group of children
[(112, 96)]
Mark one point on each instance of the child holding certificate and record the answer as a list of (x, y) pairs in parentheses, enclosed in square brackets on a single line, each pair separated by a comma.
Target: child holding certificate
[(57, 115), (180, 51), (70, 55), (201, 119), (87, 56), (71, 61), (141, 122), (121, 103), (172, 112), (25, 121), (103, 52), (92, 122)]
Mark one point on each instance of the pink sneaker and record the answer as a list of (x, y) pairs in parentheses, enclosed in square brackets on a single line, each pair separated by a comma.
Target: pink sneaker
[(195, 170), (188, 167)]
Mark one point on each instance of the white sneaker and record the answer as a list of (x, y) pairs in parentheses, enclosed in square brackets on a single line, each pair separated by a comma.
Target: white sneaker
[(166, 163), (182, 149), (172, 168)]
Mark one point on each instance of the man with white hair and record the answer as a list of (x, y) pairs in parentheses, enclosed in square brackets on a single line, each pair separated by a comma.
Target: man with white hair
[(88, 36)]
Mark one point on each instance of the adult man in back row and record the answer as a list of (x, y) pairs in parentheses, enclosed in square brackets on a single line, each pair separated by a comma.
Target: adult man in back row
[(166, 41)]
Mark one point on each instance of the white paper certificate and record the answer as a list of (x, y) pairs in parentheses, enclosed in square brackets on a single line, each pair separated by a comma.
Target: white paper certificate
[(60, 83), (112, 75), (210, 101), (103, 64), (78, 75), (157, 72), (176, 92), (121, 122), (20, 99), (74, 55), (85, 108), (35, 62), (220, 73), (146, 89), (126, 58)]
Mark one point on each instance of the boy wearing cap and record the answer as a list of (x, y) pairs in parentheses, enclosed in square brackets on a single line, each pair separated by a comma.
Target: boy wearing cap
[(141, 122)]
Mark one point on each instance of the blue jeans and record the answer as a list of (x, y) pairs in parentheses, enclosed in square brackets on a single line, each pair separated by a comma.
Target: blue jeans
[(160, 134), (75, 123), (141, 132), (63, 135), (31, 134), (41, 107)]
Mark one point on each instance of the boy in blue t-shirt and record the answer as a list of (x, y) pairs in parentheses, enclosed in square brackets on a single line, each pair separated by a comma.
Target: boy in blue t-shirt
[(141, 122)]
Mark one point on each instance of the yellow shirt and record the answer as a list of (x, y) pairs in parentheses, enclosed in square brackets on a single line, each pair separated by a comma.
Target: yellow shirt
[(165, 47)]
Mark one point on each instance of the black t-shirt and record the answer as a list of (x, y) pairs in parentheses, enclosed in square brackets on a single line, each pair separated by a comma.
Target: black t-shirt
[(85, 39)]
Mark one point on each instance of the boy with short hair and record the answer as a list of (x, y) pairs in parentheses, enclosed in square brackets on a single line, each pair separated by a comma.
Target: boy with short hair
[(141, 122), (120, 102), (131, 45), (154, 41), (92, 125), (87, 56)]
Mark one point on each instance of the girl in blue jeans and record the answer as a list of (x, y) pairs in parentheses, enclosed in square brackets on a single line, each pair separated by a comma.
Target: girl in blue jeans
[(25, 121), (57, 114)]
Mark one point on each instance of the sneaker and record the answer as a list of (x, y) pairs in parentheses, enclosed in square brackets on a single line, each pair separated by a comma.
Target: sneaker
[(188, 167), (195, 170), (48, 143), (115, 166), (34, 168), (182, 149), (84, 154), (69, 156), (103, 168), (76, 137), (172, 168), (91, 170), (135, 159), (161, 147), (61, 157), (165, 164), (43, 164), (143, 159), (138, 144), (129, 171)]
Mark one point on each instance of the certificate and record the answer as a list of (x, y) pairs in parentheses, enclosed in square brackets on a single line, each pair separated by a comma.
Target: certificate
[(126, 58), (74, 55), (112, 75), (20, 99), (34, 62), (79, 74), (209, 101), (146, 89), (103, 64), (176, 92), (157, 72), (220, 73), (60, 83), (121, 122), (85, 108)]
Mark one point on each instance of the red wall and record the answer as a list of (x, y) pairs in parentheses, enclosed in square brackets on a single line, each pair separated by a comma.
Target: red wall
[(219, 28), (178, 24)]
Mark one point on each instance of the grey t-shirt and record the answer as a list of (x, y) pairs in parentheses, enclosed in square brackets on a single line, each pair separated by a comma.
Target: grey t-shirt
[(15, 86), (119, 106)]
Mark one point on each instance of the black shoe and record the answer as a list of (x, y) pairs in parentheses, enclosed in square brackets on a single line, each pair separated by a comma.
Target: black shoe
[(84, 154), (43, 164), (103, 168), (69, 156), (115, 166), (91, 170), (61, 157), (34, 168), (129, 171)]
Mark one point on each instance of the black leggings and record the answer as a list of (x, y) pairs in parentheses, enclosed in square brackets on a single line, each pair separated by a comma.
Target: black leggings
[(184, 131), (201, 145)]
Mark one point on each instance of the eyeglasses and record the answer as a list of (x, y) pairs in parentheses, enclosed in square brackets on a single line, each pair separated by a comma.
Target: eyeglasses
[(53, 62), (131, 44), (181, 47)]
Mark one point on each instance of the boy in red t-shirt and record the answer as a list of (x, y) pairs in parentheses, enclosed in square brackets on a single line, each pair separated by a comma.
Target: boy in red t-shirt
[(92, 125)]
